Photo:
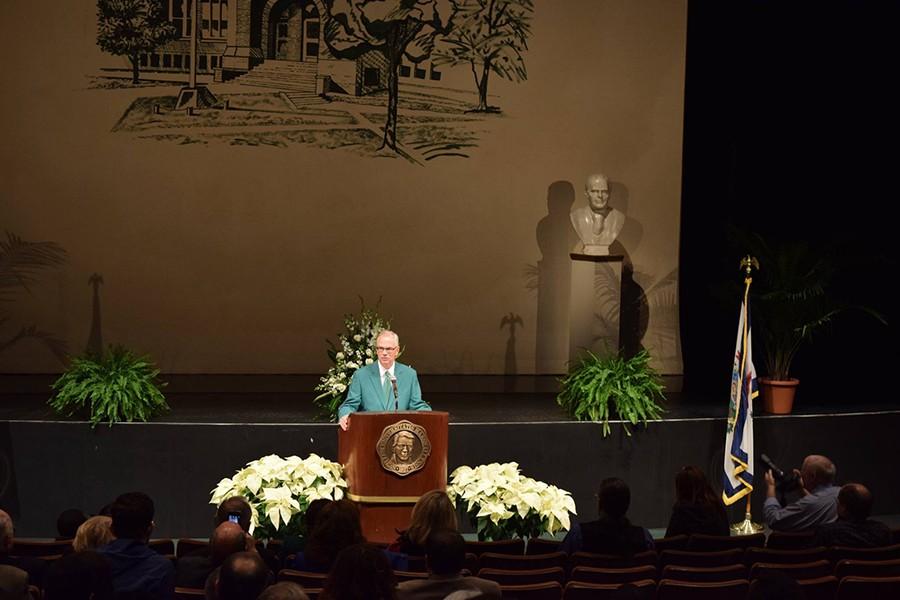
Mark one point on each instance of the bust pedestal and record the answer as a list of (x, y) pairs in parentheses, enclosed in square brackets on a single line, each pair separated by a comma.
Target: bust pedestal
[(595, 305)]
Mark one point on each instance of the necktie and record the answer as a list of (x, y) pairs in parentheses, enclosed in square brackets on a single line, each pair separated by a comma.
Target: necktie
[(387, 387)]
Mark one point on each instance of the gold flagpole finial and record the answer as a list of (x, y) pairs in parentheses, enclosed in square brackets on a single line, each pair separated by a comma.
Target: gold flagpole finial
[(748, 263)]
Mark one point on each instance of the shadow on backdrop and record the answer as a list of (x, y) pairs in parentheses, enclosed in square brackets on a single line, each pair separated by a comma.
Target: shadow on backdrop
[(555, 239)]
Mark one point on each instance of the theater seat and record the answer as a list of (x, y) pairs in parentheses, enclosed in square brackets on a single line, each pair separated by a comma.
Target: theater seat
[(723, 573), (516, 546), (577, 590), (669, 589), (869, 588), (551, 590)]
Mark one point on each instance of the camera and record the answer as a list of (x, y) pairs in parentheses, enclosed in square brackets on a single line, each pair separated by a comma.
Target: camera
[(234, 517), (787, 485)]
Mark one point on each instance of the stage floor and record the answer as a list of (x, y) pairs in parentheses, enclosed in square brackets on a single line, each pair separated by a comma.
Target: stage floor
[(288, 399)]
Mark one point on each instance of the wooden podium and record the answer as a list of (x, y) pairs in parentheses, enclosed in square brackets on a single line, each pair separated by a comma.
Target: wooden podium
[(385, 498)]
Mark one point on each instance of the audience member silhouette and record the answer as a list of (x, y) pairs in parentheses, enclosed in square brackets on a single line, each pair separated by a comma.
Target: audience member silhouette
[(242, 576), (775, 585), (136, 567), (433, 511), (238, 507), (698, 508), (337, 526), (360, 572), (68, 522), (853, 526), (13, 583), (445, 553), (35, 567), (284, 590), (192, 571), (81, 575), (93, 533), (612, 533), (818, 504)]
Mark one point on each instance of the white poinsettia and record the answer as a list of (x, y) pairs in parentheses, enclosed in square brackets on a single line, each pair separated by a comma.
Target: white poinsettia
[(503, 503), (279, 490)]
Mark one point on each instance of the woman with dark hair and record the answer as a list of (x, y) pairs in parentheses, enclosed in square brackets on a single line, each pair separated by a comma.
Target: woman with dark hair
[(336, 527), (697, 509), (360, 572), (432, 512)]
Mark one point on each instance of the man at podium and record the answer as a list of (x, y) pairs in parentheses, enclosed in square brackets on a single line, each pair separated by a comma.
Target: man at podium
[(384, 385)]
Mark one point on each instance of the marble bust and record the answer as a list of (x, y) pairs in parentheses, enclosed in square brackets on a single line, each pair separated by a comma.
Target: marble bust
[(597, 224)]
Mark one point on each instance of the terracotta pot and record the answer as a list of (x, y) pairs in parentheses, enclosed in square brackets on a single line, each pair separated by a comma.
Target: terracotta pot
[(778, 396)]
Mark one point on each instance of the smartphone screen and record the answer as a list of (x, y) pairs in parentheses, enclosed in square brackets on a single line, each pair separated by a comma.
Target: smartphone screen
[(234, 517)]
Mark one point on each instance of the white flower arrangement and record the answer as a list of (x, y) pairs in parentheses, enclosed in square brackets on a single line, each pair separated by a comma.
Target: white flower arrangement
[(280, 489), (353, 350), (503, 504)]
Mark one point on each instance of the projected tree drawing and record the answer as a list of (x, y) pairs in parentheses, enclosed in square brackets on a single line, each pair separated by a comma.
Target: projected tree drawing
[(490, 36), (395, 28), (131, 28)]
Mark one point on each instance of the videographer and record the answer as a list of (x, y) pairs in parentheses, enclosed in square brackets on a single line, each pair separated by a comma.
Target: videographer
[(818, 504)]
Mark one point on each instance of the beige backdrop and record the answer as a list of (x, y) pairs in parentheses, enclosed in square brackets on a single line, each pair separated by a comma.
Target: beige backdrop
[(223, 258)]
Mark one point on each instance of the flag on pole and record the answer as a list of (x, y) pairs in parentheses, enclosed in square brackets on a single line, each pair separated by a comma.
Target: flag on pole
[(738, 479)]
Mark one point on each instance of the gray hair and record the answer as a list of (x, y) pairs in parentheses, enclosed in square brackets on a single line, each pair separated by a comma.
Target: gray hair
[(390, 333)]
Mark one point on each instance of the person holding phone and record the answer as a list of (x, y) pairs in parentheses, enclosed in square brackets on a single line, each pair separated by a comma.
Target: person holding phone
[(384, 385)]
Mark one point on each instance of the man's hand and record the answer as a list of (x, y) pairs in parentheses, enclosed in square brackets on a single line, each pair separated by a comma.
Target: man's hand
[(770, 484), (799, 477), (344, 422)]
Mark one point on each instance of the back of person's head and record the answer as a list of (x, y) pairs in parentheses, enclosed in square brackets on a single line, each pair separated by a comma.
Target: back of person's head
[(817, 470), (227, 539), (775, 585), (690, 485), (284, 590), (243, 576), (236, 505), (337, 527), (855, 502), (313, 511), (132, 516), (7, 532), (432, 511), (93, 533), (79, 575), (360, 572), (68, 522), (445, 551), (614, 497)]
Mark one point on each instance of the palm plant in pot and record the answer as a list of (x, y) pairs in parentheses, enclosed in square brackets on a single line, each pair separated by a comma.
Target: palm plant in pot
[(792, 302)]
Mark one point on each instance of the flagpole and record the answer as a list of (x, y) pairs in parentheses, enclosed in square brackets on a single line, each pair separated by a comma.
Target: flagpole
[(747, 526)]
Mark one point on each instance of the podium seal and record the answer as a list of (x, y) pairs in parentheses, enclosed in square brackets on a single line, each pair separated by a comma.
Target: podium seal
[(403, 448)]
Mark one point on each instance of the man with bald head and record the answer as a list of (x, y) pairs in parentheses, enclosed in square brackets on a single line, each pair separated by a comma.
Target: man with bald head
[(243, 576), (853, 526), (818, 505), (383, 385), (227, 538)]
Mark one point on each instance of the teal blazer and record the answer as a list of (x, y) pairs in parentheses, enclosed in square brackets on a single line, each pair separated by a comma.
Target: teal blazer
[(366, 391)]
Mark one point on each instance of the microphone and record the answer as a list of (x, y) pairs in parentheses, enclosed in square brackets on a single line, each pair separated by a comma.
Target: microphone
[(396, 393)]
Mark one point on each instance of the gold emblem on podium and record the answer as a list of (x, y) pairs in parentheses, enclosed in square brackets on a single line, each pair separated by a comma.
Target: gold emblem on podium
[(403, 448)]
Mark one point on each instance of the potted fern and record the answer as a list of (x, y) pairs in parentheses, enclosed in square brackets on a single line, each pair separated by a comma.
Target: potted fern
[(117, 386), (597, 388)]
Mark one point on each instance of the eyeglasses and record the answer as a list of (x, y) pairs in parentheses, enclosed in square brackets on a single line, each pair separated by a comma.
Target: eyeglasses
[(385, 349)]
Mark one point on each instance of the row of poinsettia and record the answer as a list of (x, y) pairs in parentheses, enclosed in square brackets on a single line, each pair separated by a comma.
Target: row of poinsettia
[(500, 501)]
